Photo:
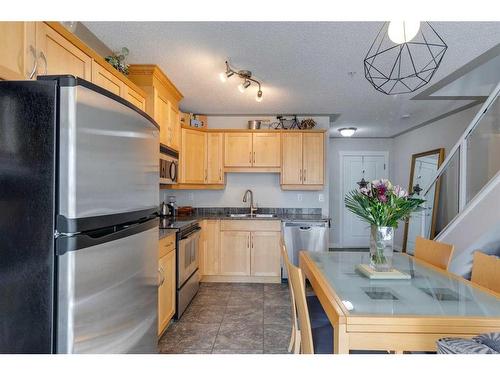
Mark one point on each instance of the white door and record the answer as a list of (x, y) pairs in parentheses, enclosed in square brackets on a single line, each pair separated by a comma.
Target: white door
[(355, 232)]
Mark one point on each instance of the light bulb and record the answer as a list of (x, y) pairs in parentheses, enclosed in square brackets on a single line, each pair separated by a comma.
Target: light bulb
[(222, 77), (259, 96), (241, 88), (403, 31), (347, 132)]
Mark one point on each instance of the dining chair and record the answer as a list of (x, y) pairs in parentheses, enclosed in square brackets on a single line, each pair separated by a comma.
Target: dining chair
[(316, 312), (486, 271), (433, 252), (315, 330)]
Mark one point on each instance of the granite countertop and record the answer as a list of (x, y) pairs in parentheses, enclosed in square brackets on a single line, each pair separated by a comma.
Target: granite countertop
[(166, 232), (281, 217)]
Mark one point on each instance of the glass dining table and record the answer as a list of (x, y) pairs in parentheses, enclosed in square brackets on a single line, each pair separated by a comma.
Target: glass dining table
[(397, 315)]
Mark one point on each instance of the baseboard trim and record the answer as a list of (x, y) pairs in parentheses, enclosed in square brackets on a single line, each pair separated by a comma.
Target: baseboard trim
[(240, 279)]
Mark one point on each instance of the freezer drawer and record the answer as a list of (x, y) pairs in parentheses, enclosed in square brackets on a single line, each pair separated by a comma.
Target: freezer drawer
[(109, 156), (108, 294)]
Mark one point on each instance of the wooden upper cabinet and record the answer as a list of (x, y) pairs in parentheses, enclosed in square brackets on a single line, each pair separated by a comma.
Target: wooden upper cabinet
[(313, 158), (235, 253), (175, 126), (134, 97), (193, 157), (291, 167), (18, 50), (162, 117), (266, 150), (105, 79), (265, 254), (57, 55), (238, 150), (162, 101), (215, 145)]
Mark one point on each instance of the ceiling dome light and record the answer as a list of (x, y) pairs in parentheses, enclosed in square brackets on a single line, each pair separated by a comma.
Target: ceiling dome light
[(222, 77), (243, 86), (347, 132), (403, 31), (259, 96)]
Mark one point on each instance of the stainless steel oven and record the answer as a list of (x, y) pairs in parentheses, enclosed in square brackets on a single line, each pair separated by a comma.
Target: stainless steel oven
[(169, 164), (188, 277)]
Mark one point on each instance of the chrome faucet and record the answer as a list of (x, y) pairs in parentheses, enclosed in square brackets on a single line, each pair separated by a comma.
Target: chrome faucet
[(252, 208)]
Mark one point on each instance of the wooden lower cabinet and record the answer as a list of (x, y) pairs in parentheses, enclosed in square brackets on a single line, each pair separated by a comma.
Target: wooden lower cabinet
[(210, 248), (235, 253), (166, 289), (265, 258)]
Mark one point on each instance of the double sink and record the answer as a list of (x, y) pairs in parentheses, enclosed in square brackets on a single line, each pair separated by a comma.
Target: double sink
[(258, 216)]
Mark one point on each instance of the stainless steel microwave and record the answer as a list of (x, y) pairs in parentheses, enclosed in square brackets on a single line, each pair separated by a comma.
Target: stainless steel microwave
[(169, 165)]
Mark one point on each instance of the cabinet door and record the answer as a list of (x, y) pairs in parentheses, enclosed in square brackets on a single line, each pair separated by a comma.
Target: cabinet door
[(134, 97), (161, 110), (235, 253), (291, 167), (265, 254), (166, 290), (57, 55), (238, 150), (18, 46), (105, 79), (193, 155), (266, 150), (215, 174), (211, 248), (175, 126), (313, 158)]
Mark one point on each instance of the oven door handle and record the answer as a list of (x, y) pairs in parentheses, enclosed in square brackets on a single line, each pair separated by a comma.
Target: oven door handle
[(190, 234)]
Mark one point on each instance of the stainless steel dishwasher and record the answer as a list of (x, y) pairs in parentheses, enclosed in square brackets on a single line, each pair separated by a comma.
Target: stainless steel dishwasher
[(304, 235)]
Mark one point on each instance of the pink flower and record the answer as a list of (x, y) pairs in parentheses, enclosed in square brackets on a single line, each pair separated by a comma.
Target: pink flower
[(400, 192), (382, 198)]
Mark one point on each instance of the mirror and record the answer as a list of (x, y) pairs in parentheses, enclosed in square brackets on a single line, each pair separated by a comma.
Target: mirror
[(423, 223)]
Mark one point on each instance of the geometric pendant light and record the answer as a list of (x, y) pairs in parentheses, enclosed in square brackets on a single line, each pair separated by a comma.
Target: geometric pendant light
[(403, 57)]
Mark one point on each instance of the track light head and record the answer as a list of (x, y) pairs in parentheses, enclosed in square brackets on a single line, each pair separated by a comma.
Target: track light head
[(244, 85), (259, 96)]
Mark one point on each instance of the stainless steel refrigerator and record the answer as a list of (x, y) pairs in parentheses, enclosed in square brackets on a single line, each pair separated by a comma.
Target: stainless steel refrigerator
[(79, 180)]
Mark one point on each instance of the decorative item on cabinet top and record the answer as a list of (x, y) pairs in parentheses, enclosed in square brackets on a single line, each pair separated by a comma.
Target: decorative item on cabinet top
[(117, 60)]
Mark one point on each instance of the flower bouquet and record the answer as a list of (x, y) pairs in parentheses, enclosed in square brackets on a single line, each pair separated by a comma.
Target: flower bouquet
[(382, 205)]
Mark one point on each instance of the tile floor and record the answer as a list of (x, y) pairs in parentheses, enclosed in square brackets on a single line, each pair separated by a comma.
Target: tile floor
[(235, 318)]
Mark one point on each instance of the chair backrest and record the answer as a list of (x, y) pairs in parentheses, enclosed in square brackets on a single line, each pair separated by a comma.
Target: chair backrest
[(286, 261), (436, 253), (486, 271), (299, 292)]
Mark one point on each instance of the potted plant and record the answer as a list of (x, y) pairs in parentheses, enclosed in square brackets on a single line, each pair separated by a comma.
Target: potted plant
[(382, 205)]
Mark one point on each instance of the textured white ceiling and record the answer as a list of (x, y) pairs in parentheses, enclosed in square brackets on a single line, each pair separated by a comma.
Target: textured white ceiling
[(303, 67)]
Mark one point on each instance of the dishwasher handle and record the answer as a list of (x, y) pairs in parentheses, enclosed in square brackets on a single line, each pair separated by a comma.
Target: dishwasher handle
[(305, 229)]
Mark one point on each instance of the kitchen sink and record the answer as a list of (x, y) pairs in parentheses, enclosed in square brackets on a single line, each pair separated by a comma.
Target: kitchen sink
[(250, 216)]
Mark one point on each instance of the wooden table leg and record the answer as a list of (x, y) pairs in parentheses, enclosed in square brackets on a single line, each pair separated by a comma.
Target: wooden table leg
[(340, 340)]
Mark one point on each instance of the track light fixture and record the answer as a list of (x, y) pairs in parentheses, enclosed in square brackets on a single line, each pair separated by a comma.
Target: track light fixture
[(246, 77)]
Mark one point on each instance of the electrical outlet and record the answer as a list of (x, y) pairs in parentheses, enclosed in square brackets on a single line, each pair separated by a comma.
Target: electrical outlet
[(299, 197), (321, 197)]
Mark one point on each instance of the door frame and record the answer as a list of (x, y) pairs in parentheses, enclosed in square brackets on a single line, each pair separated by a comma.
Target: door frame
[(342, 155)]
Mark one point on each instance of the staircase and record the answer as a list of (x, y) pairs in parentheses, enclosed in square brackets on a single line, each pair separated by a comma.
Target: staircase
[(468, 211)]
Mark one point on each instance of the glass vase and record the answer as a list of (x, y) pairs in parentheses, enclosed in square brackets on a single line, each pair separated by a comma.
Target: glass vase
[(381, 248)]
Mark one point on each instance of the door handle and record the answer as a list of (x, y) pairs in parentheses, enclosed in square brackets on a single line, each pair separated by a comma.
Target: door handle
[(42, 56), (250, 157), (161, 271), (35, 63), (254, 157), (300, 175), (304, 175), (220, 174)]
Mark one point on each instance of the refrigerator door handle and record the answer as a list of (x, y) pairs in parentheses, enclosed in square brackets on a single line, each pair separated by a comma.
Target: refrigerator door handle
[(65, 243)]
